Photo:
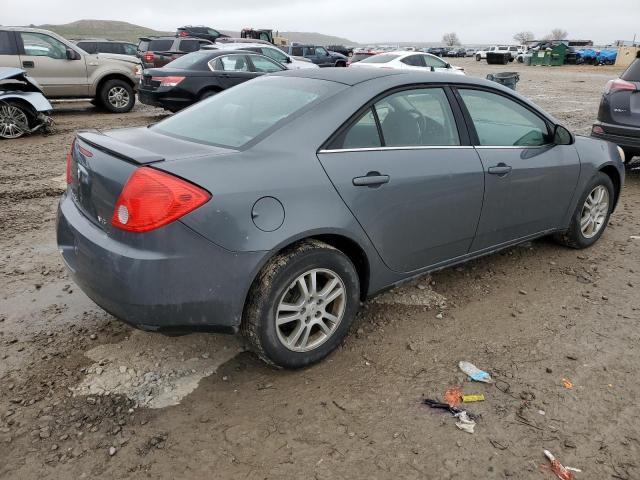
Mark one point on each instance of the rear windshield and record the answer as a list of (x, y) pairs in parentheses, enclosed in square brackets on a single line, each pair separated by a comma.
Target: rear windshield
[(250, 111), (160, 45), (198, 59), (632, 74), (382, 58), (360, 56)]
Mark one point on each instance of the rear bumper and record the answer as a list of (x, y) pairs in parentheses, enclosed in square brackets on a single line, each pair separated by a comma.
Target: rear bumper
[(166, 100), (171, 279), (625, 137)]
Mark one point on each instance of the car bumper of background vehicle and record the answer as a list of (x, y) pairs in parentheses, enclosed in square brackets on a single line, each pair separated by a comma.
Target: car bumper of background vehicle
[(177, 281), (164, 100), (625, 137)]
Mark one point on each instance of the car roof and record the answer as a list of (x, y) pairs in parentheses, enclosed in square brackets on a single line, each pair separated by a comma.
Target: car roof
[(246, 45)]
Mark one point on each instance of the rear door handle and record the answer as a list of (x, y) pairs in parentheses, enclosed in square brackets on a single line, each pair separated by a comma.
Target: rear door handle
[(500, 169), (28, 64), (372, 179)]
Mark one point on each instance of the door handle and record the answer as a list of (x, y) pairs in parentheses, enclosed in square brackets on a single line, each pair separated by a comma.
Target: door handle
[(372, 179), (500, 169), (28, 64)]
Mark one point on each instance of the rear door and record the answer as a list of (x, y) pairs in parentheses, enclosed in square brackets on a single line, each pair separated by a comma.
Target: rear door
[(529, 181), (406, 171), (234, 69), (8, 50), (45, 58)]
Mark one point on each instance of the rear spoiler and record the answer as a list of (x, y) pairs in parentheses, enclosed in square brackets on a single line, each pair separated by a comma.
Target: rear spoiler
[(119, 149)]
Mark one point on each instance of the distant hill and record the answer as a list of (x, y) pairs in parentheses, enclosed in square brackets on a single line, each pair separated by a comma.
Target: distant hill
[(115, 30)]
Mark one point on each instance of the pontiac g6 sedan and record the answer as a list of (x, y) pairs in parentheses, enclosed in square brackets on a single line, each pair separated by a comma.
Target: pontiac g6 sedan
[(275, 207)]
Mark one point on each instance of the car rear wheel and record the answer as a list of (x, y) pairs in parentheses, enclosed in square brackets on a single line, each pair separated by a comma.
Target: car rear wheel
[(16, 119), (302, 305), (117, 96), (592, 214)]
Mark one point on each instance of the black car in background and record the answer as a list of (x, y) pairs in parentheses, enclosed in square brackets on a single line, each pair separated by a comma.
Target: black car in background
[(341, 49), (199, 75), (438, 51), (107, 46), (619, 112), (158, 51), (200, 31)]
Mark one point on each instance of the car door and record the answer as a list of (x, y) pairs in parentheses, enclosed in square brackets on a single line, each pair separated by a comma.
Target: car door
[(233, 69), (529, 181), (45, 59), (310, 53), (323, 57), (8, 50), (404, 168)]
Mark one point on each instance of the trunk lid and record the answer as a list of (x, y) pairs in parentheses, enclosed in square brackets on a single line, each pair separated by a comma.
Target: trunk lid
[(101, 164)]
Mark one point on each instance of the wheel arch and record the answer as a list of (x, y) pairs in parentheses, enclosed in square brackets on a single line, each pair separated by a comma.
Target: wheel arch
[(209, 88), (113, 76), (613, 173)]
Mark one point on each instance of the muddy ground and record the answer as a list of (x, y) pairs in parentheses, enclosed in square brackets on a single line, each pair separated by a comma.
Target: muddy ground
[(84, 396)]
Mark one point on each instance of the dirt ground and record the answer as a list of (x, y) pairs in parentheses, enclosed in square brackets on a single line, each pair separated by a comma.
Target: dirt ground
[(84, 396)]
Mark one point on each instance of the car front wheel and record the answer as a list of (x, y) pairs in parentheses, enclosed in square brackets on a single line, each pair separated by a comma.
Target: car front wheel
[(301, 306), (117, 96), (591, 215)]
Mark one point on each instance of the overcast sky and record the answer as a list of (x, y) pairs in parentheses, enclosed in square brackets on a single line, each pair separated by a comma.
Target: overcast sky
[(475, 21)]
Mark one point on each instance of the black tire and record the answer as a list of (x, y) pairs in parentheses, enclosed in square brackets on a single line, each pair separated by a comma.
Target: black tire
[(207, 94), (574, 237), (114, 88), (274, 281), (629, 154), (340, 63)]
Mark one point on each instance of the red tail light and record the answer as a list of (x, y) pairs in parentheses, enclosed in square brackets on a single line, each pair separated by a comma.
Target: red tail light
[(69, 157), (148, 57), (618, 85), (184, 34), (167, 81), (151, 199)]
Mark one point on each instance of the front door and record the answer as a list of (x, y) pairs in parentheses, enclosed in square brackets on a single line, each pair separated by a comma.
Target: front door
[(402, 170), (529, 181), (45, 59)]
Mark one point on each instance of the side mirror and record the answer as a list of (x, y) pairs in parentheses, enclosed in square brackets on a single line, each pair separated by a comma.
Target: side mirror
[(562, 136), (288, 60), (72, 54), (448, 65)]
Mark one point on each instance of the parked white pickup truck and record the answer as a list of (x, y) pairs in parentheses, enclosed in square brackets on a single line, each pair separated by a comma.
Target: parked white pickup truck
[(513, 51)]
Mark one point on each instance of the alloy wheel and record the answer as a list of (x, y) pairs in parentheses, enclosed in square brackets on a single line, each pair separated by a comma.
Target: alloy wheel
[(118, 97), (13, 121), (310, 310), (594, 211)]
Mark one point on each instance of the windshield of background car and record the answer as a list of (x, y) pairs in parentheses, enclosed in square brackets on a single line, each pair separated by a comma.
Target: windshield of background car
[(247, 112), (382, 58), (160, 45), (197, 59), (632, 74)]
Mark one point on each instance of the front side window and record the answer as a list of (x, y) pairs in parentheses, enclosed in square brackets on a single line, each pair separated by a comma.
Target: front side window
[(409, 118), (189, 46), (434, 62), (129, 49), (41, 45), (239, 115), (232, 63), (500, 121), (265, 65), (321, 51), (274, 53)]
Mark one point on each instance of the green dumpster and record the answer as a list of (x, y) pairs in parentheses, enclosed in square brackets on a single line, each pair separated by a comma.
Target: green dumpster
[(558, 55), (541, 57)]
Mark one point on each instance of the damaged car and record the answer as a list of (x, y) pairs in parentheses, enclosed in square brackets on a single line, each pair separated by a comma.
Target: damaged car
[(23, 106)]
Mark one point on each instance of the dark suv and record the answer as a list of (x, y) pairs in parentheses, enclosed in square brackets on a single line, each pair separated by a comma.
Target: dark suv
[(619, 113), (156, 52), (200, 31), (107, 46), (318, 55)]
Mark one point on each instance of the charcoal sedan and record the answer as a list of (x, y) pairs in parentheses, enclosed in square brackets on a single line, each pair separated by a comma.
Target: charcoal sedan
[(275, 207), (199, 75)]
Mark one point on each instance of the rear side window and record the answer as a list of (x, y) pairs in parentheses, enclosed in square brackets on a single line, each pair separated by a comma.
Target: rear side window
[(109, 47), (297, 51), (143, 45), (500, 121), (382, 58), (189, 46), (89, 47), (362, 134), (632, 74), (6, 44), (310, 51), (414, 60), (231, 63), (160, 45)]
